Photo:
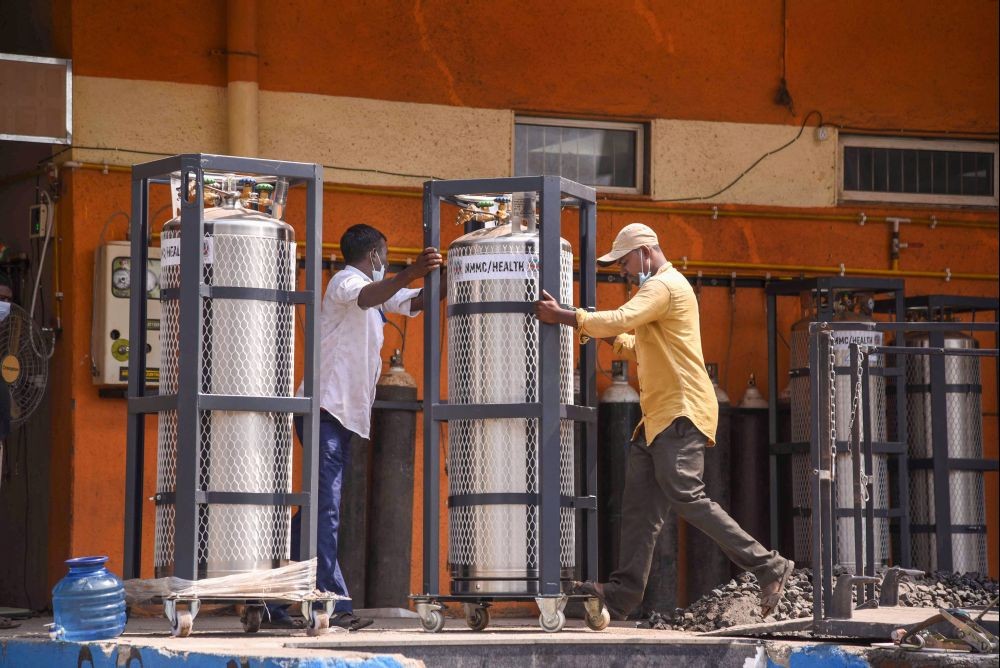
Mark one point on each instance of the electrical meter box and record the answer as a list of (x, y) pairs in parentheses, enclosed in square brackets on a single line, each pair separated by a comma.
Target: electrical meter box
[(110, 345)]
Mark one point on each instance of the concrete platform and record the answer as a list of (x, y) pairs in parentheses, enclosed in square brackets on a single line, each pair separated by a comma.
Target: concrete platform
[(875, 624), (391, 643)]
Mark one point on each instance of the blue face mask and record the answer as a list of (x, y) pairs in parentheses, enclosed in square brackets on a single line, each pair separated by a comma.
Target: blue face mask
[(644, 275), (377, 274)]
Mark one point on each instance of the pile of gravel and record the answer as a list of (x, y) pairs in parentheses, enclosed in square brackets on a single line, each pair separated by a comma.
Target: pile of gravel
[(948, 590), (738, 601)]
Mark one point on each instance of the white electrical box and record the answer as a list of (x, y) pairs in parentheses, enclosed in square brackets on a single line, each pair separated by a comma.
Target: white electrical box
[(110, 342)]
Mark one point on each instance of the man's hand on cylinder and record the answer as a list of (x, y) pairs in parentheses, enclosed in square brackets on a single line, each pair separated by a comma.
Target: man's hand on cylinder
[(547, 309)]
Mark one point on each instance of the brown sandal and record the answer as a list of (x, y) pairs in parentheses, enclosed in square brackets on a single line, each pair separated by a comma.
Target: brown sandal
[(588, 588), (768, 602)]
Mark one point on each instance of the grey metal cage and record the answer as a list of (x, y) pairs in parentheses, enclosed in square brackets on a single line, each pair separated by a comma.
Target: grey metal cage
[(511, 466), (225, 403)]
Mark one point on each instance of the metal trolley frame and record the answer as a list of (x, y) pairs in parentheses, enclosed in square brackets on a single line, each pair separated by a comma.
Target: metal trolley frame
[(829, 285), (190, 400), (553, 192), (941, 463), (832, 600)]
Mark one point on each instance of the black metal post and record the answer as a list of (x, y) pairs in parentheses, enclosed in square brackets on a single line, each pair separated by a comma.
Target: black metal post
[(828, 467), (136, 436), (772, 414), (310, 426), (588, 382), (432, 397), (939, 444), (866, 417), (189, 372), (903, 460), (822, 585), (855, 445), (817, 536), (549, 424)]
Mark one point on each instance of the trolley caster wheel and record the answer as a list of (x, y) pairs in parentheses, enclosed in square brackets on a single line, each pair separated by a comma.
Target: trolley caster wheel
[(252, 617), (598, 622), (182, 624), (434, 621), (318, 624), (553, 624), (478, 618)]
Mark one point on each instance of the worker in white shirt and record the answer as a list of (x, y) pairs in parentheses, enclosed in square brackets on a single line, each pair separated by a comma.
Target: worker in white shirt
[(352, 319)]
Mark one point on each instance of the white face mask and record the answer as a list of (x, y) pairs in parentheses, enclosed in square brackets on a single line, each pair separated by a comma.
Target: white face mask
[(644, 275), (377, 274)]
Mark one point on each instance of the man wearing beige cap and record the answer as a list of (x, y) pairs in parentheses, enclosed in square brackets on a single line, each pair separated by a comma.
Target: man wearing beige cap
[(679, 418)]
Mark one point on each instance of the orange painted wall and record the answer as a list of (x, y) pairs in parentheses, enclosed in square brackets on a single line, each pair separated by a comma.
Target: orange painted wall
[(850, 60), (89, 487), (917, 64)]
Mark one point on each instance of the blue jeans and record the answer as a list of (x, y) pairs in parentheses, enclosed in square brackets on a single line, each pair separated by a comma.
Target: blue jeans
[(334, 458)]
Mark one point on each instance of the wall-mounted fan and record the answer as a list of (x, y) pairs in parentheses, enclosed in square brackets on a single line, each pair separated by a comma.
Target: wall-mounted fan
[(24, 363)]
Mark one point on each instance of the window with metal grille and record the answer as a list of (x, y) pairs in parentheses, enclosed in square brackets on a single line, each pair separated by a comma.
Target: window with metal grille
[(929, 171), (609, 156)]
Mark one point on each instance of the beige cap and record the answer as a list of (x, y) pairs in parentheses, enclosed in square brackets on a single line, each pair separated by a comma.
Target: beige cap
[(632, 236)]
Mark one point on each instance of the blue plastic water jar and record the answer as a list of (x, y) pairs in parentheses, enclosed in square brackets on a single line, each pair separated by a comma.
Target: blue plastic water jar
[(89, 603)]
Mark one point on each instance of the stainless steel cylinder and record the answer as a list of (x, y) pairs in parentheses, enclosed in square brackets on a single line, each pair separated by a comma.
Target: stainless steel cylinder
[(844, 551), (248, 350), (493, 359), (963, 400)]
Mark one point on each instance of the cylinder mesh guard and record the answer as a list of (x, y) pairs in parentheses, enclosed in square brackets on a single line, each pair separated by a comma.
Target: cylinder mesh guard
[(844, 553), (965, 441), (247, 350), (493, 359)]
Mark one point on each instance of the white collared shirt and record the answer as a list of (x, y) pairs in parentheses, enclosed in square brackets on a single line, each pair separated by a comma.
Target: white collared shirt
[(350, 348)]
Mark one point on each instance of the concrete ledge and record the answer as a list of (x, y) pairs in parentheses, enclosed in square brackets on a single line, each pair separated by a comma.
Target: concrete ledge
[(21, 652), (399, 643)]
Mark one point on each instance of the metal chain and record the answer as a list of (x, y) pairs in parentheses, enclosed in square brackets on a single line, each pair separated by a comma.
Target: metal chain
[(866, 479), (856, 398), (833, 411)]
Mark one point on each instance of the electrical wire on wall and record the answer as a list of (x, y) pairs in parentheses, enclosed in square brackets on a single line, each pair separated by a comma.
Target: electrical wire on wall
[(754, 164), (49, 217), (782, 96), (368, 170)]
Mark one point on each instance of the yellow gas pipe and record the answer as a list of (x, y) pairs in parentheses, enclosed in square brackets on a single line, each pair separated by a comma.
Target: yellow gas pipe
[(790, 269)]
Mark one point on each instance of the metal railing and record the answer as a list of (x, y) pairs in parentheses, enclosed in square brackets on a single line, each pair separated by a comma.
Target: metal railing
[(824, 441)]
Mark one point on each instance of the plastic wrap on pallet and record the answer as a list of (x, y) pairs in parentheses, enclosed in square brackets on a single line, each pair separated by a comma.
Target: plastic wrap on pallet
[(294, 582)]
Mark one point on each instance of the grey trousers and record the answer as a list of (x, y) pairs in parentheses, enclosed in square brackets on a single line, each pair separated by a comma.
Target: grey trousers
[(666, 475)]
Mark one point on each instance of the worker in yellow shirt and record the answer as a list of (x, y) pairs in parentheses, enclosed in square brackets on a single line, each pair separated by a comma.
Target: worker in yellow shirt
[(679, 416)]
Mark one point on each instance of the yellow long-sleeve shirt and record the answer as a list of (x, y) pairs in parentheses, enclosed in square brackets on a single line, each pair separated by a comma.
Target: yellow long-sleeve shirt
[(666, 347)]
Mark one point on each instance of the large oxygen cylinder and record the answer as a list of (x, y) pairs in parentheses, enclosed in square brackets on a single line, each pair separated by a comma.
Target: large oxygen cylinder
[(493, 359), (749, 465), (391, 526), (963, 397), (850, 308), (352, 532), (247, 350), (618, 413), (707, 565)]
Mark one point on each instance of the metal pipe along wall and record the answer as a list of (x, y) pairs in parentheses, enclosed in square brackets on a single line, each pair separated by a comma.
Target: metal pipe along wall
[(241, 75)]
